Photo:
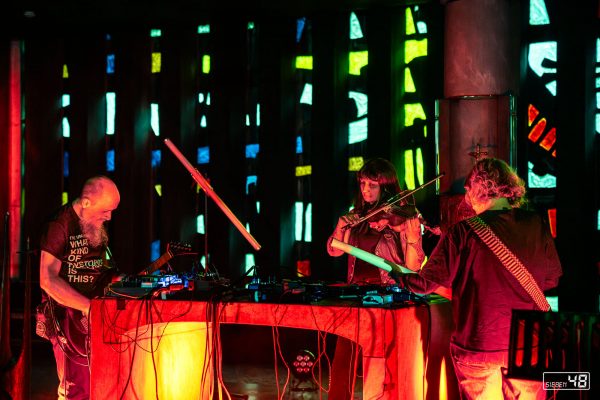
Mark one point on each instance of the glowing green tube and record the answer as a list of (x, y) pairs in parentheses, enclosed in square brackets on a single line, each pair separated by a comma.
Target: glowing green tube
[(370, 258)]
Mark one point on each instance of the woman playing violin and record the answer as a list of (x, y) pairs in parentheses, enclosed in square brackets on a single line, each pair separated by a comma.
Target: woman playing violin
[(393, 234)]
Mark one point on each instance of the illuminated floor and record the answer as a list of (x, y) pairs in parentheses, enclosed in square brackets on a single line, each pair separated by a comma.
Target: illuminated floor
[(243, 380)]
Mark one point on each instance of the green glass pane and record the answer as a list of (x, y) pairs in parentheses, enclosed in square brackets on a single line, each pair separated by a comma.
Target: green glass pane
[(156, 62), (413, 111), (362, 103), (111, 106), (308, 223), (355, 163), (538, 15), (358, 59), (249, 262), (540, 51), (355, 29), (306, 97), (409, 170), (358, 131), (537, 181), (205, 64), (410, 24), (154, 119), (304, 62), (66, 127), (409, 84), (553, 301), (200, 224), (551, 86), (298, 214), (414, 49)]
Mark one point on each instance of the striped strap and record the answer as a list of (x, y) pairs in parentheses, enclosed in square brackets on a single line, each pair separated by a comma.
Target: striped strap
[(510, 261)]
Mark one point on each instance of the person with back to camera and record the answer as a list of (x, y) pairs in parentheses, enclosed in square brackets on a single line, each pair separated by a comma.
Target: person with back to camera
[(390, 234), (74, 268), (485, 289)]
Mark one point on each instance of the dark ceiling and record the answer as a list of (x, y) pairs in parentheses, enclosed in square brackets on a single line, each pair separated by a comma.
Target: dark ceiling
[(20, 16)]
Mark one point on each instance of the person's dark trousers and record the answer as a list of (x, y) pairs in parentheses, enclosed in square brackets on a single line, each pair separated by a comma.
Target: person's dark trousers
[(73, 374)]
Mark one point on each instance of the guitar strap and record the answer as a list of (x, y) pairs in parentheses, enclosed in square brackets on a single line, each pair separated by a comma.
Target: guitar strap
[(510, 261)]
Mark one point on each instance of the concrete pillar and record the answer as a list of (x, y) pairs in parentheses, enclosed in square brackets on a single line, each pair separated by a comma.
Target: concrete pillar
[(480, 72)]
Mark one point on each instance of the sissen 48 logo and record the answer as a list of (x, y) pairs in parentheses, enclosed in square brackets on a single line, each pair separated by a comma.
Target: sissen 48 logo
[(566, 381)]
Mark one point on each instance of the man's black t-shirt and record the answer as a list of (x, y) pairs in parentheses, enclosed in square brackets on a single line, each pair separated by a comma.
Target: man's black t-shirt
[(484, 293), (83, 267)]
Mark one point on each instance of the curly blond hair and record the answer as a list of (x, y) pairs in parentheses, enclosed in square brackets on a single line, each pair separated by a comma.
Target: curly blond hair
[(492, 178)]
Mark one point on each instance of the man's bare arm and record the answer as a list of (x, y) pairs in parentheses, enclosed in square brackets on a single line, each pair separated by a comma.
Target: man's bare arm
[(57, 288)]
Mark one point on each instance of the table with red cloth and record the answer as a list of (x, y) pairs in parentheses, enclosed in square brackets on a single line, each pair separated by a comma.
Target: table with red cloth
[(405, 351)]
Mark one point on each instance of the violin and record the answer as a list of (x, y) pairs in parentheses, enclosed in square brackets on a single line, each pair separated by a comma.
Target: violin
[(392, 201), (397, 213)]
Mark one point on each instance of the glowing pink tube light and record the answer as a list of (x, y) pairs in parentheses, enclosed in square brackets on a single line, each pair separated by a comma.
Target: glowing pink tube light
[(211, 193)]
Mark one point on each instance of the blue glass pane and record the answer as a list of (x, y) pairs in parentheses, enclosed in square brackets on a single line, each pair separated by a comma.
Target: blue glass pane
[(156, 156), (299, 28), (110, 160), (110, 64), (250, 180), (66, 164), (298, 144), (154, 250), (252, 150), (203, 156)]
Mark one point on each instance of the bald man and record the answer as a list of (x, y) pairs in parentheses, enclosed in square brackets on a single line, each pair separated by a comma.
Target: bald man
[(73, 270)]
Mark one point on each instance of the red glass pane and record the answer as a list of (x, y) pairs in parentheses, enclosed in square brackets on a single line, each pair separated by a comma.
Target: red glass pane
[(549, 140), (537, 130), (532, 113)]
